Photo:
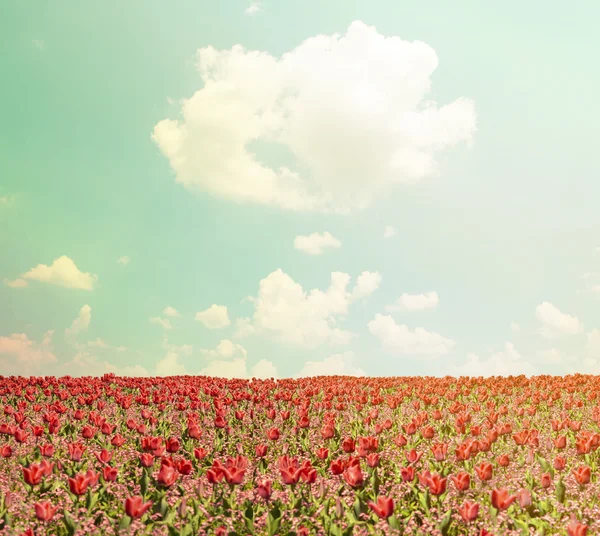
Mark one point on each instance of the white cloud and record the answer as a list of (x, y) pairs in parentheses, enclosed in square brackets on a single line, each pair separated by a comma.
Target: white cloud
[(316, 243), (515, 327), (253, 8), (226, 349), (552, 356), (215, 317), (399, 339), (20, 355), (506, 363), (412, 302), (352, 135), (170, 366), (229, 360), (283, 309), (86, 364), (82, 322), (555, 323), (238, 368), (164, 322), (366, 284), (263, 369), (63, 272), (40, 44), (170, 311), (15, 283), (334, 365), (389, 231), (125, 260)]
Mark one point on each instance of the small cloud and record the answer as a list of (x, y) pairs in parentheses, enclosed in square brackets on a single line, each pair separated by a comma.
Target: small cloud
[(15, 283), (164, 322), (40, 44), (170, 311), (366, 284), (62, 272), (82, 322), (412, 302), (215, 317), (316, 243), (98, 343), (226, 349), (555, 323), (170, 366), (125, 260), (253, 8), (389, 231)]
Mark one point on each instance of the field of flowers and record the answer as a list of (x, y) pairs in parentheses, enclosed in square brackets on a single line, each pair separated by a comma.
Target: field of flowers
[(328, 455)]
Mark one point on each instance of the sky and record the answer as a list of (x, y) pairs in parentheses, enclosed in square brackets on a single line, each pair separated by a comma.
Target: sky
[(283, 189)]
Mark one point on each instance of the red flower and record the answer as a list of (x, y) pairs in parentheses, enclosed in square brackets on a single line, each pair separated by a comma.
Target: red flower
[(76, 451), (104, 456), (323, 453), (200, 453), (79, 484), (117, 440), (582, 474), (384, 507), (273, 434), (184, 467), (337, 467), (503, 460), (354, 476), (6, 451), (501, 499), (348, 445), (166, 476), (373, 459), (469, 511), (135, 506), (110, 473), (44, 511), (33, 474), (264, 489), (413, 456), (575, 528), (407, 473), (47, 450), (147, 459), (261, 450), (546, 480), (484, 471), (173, 445), (437, 484), (524, 497), (559, 463), (462, 481)]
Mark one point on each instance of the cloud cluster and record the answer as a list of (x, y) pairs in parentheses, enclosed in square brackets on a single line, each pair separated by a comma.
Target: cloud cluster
[(62, 272), (316, 243), (285, 310), (353, 110), (412, 302)]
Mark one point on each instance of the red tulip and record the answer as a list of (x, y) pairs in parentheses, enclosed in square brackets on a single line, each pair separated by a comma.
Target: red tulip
[(166, 476), (33, 474), (135, 506), (273, 434), (44, 511), (384, 507), (110, 473), (559, 463), (484, 471), (575, 528), (104, 456), (79, 484), (6, 451), (264, 489), (437, 484), (261, 450), (173, 445), (582, 474), (469, 511), (461, 481), (501, 499), (354, 476), (407, 473)]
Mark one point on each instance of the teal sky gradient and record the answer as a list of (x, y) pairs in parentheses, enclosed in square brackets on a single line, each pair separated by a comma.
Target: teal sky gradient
[(510, 222)]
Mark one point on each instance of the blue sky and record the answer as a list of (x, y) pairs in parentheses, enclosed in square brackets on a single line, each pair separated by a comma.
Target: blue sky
[(298, 188)]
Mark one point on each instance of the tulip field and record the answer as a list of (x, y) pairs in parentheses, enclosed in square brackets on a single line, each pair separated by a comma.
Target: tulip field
[(313, 456)]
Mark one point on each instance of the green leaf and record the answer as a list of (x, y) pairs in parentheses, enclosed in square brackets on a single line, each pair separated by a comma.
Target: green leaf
[(144, 482), (523, 525), (560, 491), (69, 523), (393, 522), (445, 523)]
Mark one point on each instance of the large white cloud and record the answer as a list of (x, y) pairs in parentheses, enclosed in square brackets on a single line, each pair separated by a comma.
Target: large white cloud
[(399, 339), (20, 355), (508, 362), (62, 272), (229, 360), (316, 243), (82, 322), (411, 302), (353, 110), (334, 365), (555, 323), (284, 309), (226, 349), (215, 317)]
